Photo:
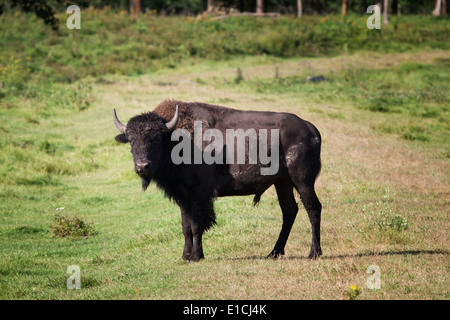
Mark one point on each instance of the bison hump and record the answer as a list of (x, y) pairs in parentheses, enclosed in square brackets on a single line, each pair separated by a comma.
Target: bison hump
[(188, 114)]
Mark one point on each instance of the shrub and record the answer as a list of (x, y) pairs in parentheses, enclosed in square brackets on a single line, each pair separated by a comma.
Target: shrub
[(415, 133), (387, 220), (70, 226)]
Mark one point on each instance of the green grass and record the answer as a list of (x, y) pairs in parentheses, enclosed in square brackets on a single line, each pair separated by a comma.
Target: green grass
[(384, 184)]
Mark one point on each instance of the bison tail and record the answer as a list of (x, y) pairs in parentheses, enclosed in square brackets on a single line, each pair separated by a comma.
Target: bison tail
[(256, 199), (319, 169), (208, 215)]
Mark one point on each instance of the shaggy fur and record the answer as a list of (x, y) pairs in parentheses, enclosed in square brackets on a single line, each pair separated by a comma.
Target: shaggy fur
[(187, 117)]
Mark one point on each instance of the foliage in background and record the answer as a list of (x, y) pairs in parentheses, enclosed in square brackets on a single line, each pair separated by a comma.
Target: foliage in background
[(115, 43), (45, 8), (40, 8)]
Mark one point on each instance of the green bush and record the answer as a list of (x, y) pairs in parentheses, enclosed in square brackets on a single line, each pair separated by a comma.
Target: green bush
[(387, 221), (70, 226)]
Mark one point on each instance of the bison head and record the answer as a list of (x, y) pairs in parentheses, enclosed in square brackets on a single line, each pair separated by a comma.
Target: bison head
[(147, 134)]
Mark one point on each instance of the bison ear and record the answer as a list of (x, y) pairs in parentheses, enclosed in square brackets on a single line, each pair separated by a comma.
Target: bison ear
[(121, 138)]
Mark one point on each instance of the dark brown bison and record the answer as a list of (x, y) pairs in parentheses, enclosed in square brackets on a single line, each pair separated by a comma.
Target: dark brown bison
[(194, 182)]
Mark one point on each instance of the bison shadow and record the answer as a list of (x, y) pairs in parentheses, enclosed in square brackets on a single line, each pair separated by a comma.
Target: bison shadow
[(342, 256)]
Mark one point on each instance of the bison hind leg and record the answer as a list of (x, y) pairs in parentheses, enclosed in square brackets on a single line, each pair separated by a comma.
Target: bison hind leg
[(313, 208), (289, 208), (303, 171)]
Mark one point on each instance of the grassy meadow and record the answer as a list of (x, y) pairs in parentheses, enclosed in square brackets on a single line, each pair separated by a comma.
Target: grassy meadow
[(383, 113)]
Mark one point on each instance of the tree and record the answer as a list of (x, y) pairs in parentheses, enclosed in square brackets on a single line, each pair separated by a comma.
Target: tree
[(395, 7), (41, 9), (437, 9), (210, 5), (385, 11), (344, 7), (135, 6), (259, 6), (299, 8)]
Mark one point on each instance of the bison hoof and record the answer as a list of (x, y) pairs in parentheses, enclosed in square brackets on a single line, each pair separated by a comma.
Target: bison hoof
[(193, 258), (186, 257), (315, 253), (275, 254)]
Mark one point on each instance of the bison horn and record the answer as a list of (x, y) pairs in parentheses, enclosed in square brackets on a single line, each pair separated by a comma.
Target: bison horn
[(172, 123), (119, 125)]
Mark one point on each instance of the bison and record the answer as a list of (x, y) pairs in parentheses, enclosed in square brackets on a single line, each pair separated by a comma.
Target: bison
[(194, 185)]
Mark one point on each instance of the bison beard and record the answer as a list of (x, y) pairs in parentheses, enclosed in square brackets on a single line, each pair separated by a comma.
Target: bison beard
[(195, 186), (145, 182)]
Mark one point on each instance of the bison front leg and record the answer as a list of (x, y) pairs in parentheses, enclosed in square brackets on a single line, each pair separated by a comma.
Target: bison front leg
[(197, 229), (197, 250), (191, 220), (202, 218), (187, 232)]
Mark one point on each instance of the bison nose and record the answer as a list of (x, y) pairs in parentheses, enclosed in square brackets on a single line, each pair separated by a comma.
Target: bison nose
[(142, 166)]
